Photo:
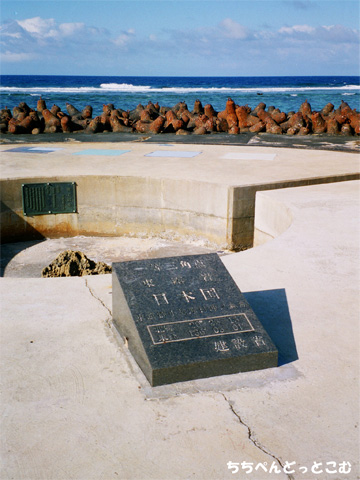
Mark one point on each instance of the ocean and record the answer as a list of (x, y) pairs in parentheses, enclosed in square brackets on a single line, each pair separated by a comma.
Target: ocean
[(285, 93)]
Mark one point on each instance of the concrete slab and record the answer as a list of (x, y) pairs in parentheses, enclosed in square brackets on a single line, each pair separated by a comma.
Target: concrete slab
[(27, 259), (211, 194), (313, 142), (75, 405), (252, 168)]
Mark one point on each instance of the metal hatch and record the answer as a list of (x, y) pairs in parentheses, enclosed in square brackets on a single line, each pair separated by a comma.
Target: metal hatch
[(49, 198)]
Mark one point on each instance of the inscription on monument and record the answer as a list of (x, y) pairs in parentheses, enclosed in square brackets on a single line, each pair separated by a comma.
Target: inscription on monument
[(199, 328), (185, 318)]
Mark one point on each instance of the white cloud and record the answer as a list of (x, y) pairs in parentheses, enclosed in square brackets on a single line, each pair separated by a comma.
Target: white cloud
[(39, 27), (338, 34), (16, 57), (11, 34), (80, 44), (13, 31), (124, 38), (324, 33), (121, 40), (68, 29), (46, 39), (231, 29), (47, 28), (297, 29)]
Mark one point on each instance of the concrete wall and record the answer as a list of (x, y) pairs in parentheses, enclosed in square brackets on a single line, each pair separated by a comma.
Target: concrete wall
[(109, 205), (129, 205), (272, 218), (242, 206)]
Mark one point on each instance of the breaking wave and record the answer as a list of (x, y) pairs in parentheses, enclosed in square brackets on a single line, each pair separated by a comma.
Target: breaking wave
[(130, 88), (123, 87)]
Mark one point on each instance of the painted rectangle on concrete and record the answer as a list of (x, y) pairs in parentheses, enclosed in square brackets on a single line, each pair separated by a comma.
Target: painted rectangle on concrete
[(99, 151), (249, 156), (45, 149), (32, 150), (173, 153)]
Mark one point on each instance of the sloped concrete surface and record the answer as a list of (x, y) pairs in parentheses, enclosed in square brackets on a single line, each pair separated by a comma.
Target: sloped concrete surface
[(308, 276)]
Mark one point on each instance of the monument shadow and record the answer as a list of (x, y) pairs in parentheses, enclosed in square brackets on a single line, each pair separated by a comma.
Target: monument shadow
[(271, 308)]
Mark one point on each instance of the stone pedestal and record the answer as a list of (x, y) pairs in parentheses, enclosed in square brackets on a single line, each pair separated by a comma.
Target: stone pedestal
[(185, 318)]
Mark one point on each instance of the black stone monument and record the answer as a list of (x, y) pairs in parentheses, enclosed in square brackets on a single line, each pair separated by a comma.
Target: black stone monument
[(185, 318)]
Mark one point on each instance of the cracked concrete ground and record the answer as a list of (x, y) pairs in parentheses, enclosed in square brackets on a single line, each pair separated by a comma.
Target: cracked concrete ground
[(76, 409), (75, 405), (277, 462)]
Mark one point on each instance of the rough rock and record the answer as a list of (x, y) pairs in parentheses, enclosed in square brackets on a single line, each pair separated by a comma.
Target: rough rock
[(74, 264)]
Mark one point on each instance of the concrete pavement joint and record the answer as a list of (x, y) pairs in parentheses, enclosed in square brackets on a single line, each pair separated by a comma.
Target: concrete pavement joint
[(251, 436)]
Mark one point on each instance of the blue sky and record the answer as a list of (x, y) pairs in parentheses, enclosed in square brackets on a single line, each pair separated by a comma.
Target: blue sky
[(180, 37)]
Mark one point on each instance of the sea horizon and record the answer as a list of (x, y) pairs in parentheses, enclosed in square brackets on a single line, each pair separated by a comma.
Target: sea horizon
[(284, 92), (174, 76)]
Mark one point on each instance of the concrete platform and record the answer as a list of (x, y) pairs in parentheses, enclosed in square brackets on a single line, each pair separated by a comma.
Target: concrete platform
[(27, 259), (75, 405), (157, 189), (324, 141)]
